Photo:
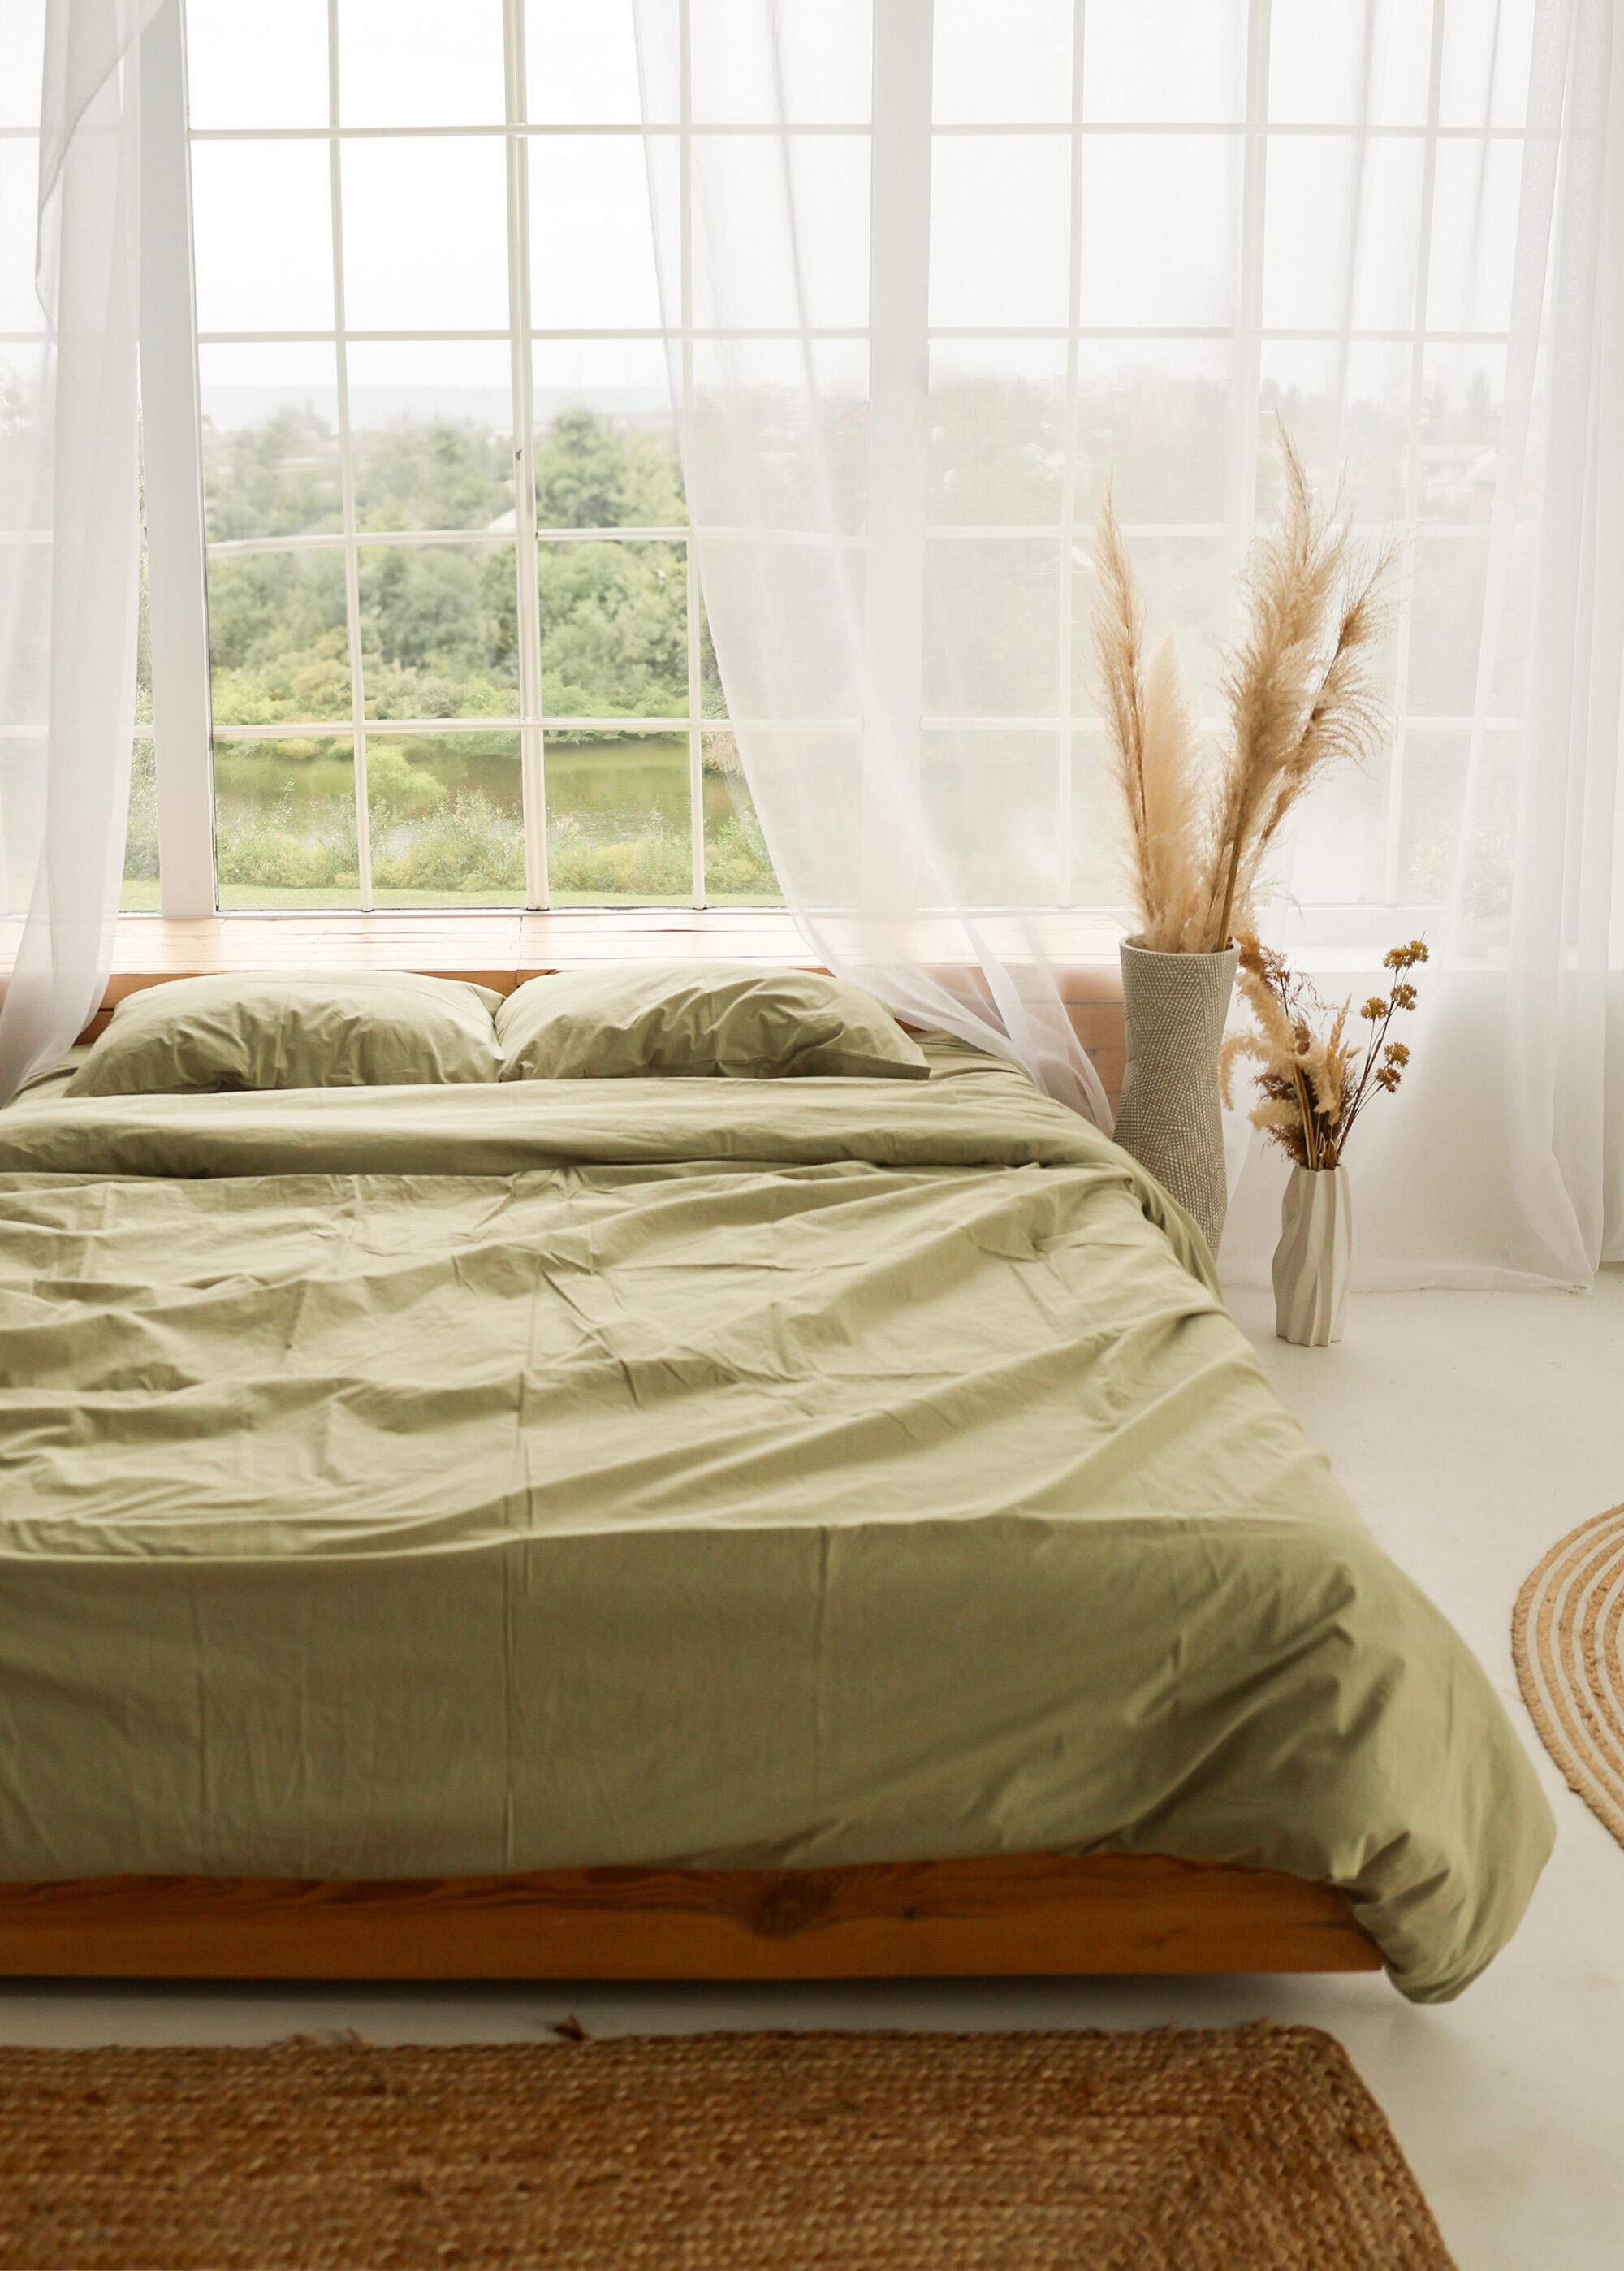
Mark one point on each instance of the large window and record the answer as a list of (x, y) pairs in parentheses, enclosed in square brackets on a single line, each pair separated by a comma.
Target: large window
[(454, 648), (1159, 233)]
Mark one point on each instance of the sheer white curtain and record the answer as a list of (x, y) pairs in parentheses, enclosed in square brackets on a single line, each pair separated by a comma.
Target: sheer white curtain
[(69, 527), (1502, 1162), (937, 269), (793, 234)]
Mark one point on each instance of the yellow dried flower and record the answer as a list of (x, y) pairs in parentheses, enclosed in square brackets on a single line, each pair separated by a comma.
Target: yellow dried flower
[(1313, 1078)]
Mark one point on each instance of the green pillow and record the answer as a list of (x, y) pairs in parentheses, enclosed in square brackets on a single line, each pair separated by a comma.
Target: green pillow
[(306, 1029), (630, 1020)]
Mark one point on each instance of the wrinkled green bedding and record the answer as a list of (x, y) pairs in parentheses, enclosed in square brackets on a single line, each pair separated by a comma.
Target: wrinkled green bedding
[(408, 1482)]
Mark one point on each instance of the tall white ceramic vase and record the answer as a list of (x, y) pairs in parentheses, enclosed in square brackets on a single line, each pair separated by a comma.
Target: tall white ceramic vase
[(1313, 1259), (1175, 1006)]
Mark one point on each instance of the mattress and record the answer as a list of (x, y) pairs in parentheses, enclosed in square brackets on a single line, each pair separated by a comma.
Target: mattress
[(406, 1482)]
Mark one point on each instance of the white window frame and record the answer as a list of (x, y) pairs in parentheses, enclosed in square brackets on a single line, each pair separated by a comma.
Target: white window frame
[(899, 337), (178, 551)]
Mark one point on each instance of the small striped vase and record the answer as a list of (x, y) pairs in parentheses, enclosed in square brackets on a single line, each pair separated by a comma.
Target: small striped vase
[(1175, 1006)]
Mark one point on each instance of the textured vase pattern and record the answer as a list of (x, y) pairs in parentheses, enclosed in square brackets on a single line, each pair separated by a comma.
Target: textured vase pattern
[(1315, 1257), (1175, 1006)]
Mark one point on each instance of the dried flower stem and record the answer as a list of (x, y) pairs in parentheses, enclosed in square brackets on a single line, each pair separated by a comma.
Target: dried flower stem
[(1314, 1081)]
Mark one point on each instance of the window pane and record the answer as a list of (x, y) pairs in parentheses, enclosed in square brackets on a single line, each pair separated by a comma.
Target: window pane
[(440, 630), (1164, 59), (614, 630), (1450, 578), (1434, 829), (21, 505), (432, 428), (1183, 193), (262, 225), (1335, 849), (992, 627), (276, 639), (1474, 234), (144, 644), (998, 430), (20, 304), (783, 452), (581, 63), (1341, 62), (592, 236), (606, 441), (1000, 229), (964, 775), (416, 63), (256, 66), (747, 61), (1154, 415), (140, 893), (600, 468), (1190, 590), (446, 818), (796, 680), (738, 868), (1463, 392), (1354, 420), (1097, 875), (284, 823), (426, 235), (1002, 59), (1434, 789), (1325, 193), (713, 700), (741, 216), (270, 441), (617, 817), (1487, 54)]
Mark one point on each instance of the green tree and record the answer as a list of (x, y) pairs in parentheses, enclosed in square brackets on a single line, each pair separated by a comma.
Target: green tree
[(589, 476), (436, 474)]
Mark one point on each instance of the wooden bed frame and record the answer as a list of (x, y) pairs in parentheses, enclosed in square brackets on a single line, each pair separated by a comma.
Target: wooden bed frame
[(1011, 1917), (1028, 1916)]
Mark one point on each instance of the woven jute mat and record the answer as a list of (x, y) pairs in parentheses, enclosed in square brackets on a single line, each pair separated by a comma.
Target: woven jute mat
[(1242, 2150), (1565, 1636)]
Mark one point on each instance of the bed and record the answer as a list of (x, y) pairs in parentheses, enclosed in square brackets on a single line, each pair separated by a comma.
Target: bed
[(653, 1526)]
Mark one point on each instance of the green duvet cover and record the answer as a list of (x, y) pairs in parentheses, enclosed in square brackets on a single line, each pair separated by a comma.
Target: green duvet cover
[(416, 1482)]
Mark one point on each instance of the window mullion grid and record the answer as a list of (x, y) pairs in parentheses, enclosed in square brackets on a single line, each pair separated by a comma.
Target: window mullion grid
[(532, 738), (1404, 625), (346, 475), (685, 411), (1063, 816)]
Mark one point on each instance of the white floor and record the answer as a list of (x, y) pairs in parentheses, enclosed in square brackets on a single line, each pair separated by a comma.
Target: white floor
[(1474, 1430)]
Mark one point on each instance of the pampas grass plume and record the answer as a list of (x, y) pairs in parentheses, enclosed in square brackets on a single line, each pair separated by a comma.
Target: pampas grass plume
[(1302, 693)]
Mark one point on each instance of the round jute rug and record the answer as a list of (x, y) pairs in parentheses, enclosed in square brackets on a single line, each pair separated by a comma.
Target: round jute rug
[(1255, 2148), (1565, 1637)]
